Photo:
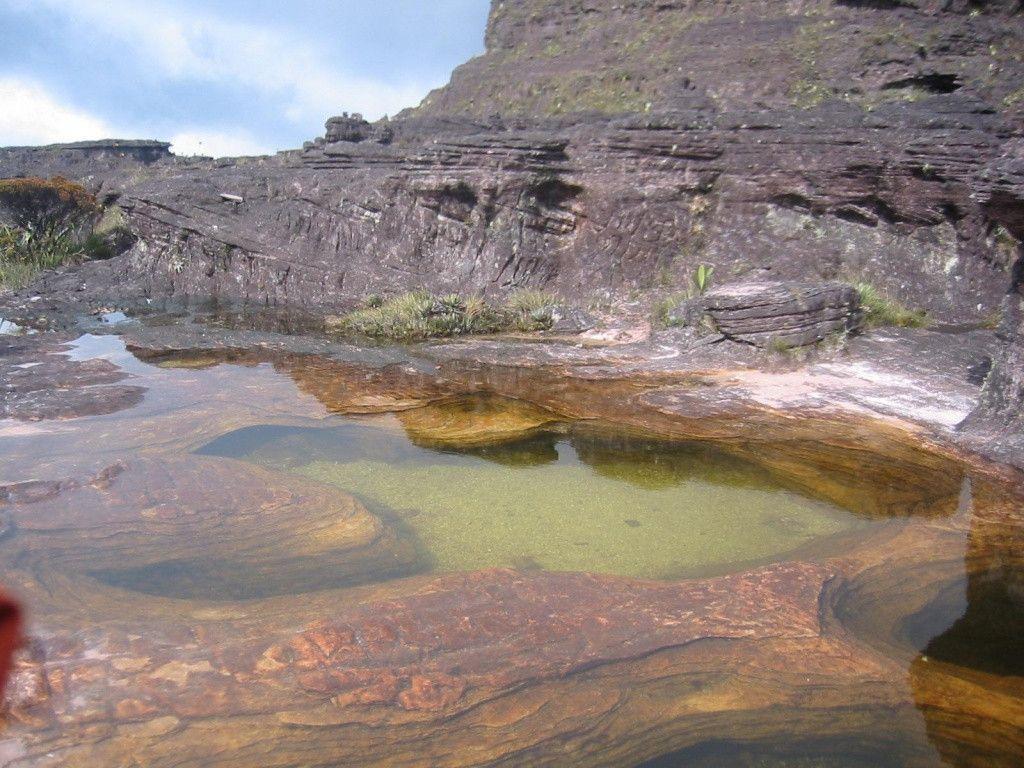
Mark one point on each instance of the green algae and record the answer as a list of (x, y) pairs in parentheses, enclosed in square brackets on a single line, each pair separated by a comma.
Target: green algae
[(577, 502)]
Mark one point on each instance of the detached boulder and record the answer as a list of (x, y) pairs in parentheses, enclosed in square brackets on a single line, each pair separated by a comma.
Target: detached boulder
[(571, 320), (788, 314)]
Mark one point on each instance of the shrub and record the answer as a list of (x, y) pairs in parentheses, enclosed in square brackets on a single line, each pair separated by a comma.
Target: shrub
[(48, 222), (37, 202), (880, 310)]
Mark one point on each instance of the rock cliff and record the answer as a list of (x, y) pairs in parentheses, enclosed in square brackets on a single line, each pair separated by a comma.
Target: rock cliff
[(656, 55)]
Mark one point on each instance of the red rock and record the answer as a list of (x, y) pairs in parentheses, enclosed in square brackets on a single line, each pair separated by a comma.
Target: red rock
[(10, 636)]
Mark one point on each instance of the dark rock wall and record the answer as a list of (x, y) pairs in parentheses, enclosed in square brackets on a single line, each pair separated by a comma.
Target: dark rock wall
[(81, 159)]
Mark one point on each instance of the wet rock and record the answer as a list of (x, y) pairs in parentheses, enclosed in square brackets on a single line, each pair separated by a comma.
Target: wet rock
[(474, 422), (10, 634), (503, 667), (148, 525), (39, 381), (787, 314)]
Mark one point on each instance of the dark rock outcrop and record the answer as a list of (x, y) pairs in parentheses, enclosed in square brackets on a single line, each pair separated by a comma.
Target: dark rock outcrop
[(82, 158), (600, 207), (662, 55), (784, 314)]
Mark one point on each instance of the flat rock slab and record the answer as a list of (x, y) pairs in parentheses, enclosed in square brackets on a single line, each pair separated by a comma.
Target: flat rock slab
[(787, 314)]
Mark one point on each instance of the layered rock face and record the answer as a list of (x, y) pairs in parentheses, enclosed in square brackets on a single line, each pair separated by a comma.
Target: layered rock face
[(892, 162), (788, 315)]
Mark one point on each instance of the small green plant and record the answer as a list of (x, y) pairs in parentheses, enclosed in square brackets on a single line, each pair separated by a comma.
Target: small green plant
[(881, 310), (702, 278), (451, 304), (993, 320), (1014, 98), (780, 345)]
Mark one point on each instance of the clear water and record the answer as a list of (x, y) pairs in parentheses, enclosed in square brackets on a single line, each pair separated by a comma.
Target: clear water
[(575, 500)]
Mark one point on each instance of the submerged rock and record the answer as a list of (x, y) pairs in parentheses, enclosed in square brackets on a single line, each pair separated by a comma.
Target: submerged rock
[(155, 526), (474, 421), (40, 380)]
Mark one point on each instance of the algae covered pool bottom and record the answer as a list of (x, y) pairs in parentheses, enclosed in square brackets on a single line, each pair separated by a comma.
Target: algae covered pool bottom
[(576, 499)]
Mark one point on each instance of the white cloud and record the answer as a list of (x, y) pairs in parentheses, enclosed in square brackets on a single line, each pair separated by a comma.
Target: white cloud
[(31, 115), (273, 62), (217, 144)]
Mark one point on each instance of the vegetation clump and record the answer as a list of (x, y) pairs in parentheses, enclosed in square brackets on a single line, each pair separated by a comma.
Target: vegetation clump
[(419, 315), (45, 224), (882, 311), (33, 201)]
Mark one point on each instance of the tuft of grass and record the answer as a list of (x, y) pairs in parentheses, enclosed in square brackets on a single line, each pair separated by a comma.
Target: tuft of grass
[(418, 315), (663, 308), (526, 300), (882, 311), (993, 320), (779, 345), (24, 253), (528, 310)]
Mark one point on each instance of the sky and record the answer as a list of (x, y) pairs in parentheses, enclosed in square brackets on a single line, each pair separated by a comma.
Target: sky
[(221, 77)]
